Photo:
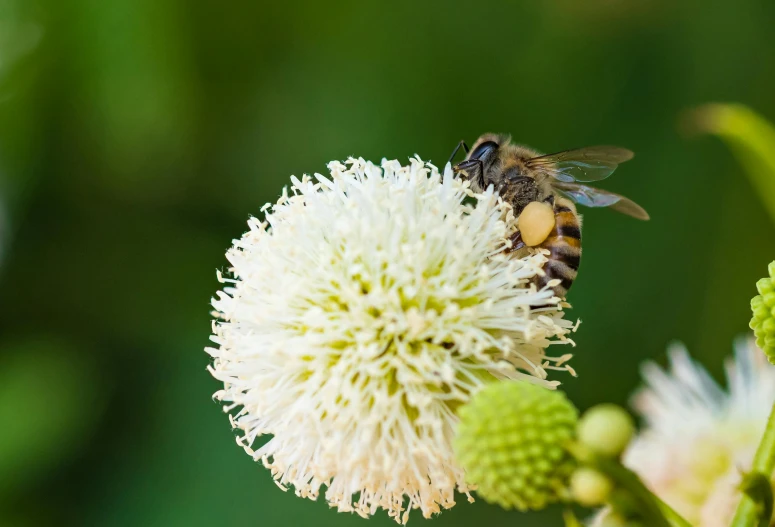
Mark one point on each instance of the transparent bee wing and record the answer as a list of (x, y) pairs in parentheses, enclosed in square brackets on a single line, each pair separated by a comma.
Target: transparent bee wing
[(592, 163), (595, 197)]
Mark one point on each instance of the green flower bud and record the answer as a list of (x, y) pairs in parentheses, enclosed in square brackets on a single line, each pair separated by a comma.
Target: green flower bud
[(589, 487), (510, 441), (606, 429), (763, 320)]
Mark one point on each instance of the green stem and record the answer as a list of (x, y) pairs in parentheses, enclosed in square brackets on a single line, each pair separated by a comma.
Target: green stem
[(653, 511), (675, 519), (570, 519), (763, 463)]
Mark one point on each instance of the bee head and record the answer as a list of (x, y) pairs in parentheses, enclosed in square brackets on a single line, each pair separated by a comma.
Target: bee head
[(481, 157)]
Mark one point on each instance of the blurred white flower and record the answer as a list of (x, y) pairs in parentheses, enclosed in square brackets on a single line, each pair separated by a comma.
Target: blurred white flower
[(697, 437), (365, 309)]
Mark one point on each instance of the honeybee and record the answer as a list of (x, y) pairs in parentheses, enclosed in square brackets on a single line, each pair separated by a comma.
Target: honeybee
[(522, 176)]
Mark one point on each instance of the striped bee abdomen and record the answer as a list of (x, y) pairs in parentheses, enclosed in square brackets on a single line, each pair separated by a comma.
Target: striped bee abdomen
[(564, 246)]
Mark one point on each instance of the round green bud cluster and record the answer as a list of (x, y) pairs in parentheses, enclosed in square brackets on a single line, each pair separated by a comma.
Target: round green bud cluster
[(511, 442), (606, 429), (763, 321)]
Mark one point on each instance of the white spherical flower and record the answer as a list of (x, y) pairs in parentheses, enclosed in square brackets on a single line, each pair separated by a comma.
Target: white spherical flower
[(698, 438), (360, 314)]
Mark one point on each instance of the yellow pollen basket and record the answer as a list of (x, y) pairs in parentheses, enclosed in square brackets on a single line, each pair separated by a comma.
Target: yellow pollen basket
[(536, 222)]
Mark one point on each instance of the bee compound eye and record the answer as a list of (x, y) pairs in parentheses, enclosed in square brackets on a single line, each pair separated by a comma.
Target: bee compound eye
[(483, 150)]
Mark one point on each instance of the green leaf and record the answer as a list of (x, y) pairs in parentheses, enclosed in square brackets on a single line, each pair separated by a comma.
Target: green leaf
[(751, 138)]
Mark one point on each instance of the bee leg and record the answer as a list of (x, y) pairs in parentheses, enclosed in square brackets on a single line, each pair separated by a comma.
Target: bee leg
[(550, 200), (474, 169), (457, 148), (516, 242), (503, 185)]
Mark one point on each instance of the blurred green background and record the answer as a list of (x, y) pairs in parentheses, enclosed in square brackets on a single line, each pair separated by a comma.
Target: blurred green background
[(136, 136)]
